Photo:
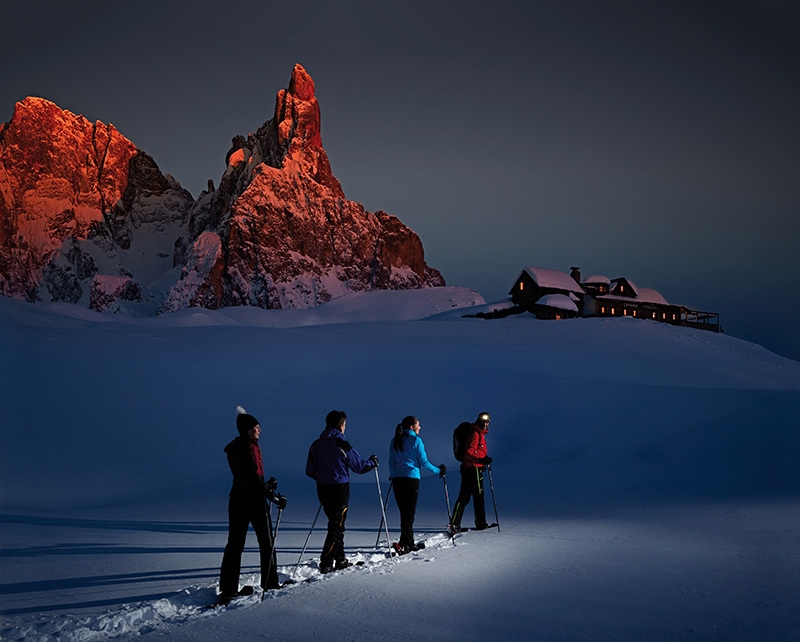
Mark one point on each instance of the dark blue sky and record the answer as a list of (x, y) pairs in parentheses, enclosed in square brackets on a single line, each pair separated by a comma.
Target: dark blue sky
[(654, 140)]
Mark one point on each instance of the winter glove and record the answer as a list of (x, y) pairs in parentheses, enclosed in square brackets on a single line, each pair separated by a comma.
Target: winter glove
[(272, 484), (281, 501), (442, 470), (374, 460), (486, 460)]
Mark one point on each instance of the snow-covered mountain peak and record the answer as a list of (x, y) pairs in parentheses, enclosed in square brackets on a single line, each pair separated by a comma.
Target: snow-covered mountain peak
[(86, 217)]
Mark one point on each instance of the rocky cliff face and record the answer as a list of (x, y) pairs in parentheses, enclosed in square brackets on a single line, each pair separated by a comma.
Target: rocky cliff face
[(81, 210), (279, 232), (88, 218)]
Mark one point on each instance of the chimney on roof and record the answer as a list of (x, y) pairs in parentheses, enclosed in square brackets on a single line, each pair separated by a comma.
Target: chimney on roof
[(575, 273)]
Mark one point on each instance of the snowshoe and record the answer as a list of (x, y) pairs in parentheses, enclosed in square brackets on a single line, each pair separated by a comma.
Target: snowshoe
[(224, 599), (338, 566), (404, 550)]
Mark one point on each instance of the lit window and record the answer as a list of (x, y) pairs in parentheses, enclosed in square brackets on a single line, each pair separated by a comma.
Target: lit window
[(613, 311), (603, 310), (624, 313), (521, 286)]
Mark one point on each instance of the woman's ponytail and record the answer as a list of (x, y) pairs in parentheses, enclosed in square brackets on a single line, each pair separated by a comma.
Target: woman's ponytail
[(397, 442)]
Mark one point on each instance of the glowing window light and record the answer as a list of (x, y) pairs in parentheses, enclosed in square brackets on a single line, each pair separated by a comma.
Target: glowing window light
[(521, 286)]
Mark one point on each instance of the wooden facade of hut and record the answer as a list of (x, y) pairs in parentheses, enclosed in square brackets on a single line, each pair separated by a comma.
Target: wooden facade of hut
[(625, 299)]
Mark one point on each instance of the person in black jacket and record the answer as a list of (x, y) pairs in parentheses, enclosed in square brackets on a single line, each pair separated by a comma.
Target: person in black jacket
[(247, 505)]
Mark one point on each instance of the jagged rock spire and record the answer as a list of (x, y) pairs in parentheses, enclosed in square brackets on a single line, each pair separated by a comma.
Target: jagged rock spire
[(279, 231), (295, 130)]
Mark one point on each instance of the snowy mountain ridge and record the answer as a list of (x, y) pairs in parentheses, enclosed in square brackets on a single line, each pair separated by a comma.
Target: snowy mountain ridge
[(353, 307), (88, 218)]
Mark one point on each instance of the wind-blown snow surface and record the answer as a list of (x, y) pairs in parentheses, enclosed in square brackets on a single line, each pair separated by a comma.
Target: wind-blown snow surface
[(645, 475)]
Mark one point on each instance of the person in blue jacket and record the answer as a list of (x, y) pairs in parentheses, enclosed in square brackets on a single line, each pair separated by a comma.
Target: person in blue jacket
[(407, 458), (330, 460)]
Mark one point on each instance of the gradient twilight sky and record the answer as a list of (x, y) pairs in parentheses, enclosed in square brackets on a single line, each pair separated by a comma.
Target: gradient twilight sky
[(657, 140)]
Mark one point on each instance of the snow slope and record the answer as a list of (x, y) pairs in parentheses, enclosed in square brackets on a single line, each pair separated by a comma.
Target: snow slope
[(645, 475)]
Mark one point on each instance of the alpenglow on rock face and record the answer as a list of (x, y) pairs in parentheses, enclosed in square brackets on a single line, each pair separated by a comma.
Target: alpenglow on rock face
[(279, 232), (85, 216), (88, 218)]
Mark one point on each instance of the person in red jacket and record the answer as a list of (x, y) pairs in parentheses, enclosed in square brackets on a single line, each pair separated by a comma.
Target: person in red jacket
[(473, 467), (247, 505)]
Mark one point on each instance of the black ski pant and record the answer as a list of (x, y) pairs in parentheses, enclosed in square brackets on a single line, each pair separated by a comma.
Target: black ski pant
[(334, 499), (406, 492), (471, 488), (243, 511)]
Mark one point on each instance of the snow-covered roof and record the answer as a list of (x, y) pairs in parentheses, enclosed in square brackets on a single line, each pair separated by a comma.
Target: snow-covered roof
[(560, 301), (651, 296), (554, 279), (629, 282), (646, 295), (597, 278)]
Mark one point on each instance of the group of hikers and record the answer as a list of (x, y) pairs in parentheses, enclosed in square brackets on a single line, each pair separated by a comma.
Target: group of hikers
[(331, 459)]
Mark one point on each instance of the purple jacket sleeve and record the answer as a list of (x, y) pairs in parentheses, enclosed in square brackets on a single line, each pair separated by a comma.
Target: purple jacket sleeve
[(356, 464)]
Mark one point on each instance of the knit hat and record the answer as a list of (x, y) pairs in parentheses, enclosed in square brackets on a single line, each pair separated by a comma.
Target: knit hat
[(244, 422)]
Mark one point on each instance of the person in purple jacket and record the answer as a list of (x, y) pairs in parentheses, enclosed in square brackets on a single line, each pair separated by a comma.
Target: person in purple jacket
[(330, 458)]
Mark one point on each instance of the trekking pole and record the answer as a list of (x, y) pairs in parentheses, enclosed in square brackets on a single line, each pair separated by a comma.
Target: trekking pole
[(385, 504), (380, 501), (274, 555), (447, 499), (449, 513), (491, 485), (303, 552)]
